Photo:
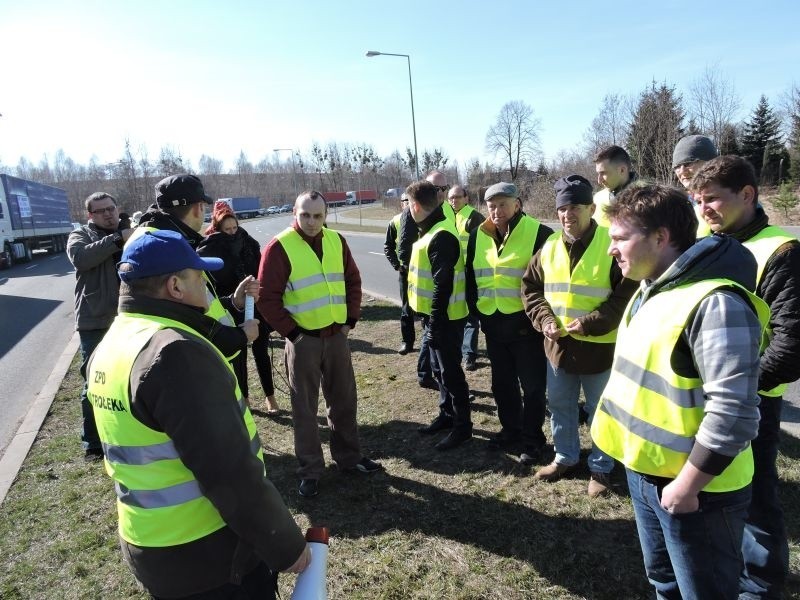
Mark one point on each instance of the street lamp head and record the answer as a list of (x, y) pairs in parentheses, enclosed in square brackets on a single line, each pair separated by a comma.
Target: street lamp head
[(371, 53)]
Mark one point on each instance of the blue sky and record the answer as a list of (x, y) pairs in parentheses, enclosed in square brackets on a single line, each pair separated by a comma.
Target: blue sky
[(223, 77)]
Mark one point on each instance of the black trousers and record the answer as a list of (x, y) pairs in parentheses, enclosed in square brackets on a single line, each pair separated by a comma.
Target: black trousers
[(519, 362), (258, 584), (453, 388), (406, 312)]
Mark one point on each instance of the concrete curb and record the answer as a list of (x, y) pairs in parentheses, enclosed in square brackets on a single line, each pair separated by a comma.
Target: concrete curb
[(20, 445)]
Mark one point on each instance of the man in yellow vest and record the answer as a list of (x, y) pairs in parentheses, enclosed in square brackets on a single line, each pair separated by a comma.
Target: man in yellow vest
[(180, 206), (311, 295), (467, 220), (497, 254), (726, 190), (197, 514), (681, 405), (690, 154), (391, 251), (436, 289), (575, 294), (615, 173)]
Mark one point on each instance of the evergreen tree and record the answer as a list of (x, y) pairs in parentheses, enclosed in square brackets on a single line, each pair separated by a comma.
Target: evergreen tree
[(728, 140), (655, 129), (761, 142), (793, 125)]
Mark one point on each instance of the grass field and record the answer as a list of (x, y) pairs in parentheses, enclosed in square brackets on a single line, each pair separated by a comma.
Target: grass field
[(467, 524)]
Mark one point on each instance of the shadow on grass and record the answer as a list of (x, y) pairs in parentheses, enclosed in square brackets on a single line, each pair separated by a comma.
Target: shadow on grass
[(354, 506), (380, 312)]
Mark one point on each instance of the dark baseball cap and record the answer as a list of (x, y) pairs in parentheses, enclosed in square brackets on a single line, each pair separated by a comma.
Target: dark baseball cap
[(160, 252), (180, 190)]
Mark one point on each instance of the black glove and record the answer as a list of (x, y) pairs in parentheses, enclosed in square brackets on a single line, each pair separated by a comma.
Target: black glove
[(434, 338)]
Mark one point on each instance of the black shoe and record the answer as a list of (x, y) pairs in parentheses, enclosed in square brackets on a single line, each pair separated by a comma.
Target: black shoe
[(405, 348), (365, 465), (429, 383), (308, 488), (470, 364), (531, 456), (503, 439), (93, 455), (471, 397), (440, 423), (453, 439)]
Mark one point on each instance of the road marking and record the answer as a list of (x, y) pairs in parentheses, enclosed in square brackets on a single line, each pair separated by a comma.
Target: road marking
[(31, 267), (377, 253), (54, 257)]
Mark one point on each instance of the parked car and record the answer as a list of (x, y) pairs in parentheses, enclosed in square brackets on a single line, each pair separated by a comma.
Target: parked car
[(273, 210), (286, 208)]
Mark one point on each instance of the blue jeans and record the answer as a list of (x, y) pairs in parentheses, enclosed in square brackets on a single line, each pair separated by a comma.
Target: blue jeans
[(563, 391), (765, 548), (469, 345), (90, 439), (693, 556)]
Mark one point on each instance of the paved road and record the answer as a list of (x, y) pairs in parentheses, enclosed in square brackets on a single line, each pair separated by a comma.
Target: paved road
[(36, 322)]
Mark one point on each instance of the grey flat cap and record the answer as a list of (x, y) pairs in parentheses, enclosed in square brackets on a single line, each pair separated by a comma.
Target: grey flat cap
[(501, 189)]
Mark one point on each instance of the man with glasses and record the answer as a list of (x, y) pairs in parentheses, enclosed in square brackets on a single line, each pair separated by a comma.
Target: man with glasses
[(94, 251)]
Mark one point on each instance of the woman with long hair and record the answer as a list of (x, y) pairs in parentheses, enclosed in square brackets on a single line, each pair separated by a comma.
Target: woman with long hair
[(241, 254)]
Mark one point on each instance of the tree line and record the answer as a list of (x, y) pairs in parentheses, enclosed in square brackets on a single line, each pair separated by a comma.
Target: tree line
[(647, 124)]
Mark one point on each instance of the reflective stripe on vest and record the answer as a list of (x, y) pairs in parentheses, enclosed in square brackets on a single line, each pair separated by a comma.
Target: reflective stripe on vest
[(763, 245), (462, 216), (159, 502), (420, 277), (648, 415), (499, 278), (315, 294), (575, 294)]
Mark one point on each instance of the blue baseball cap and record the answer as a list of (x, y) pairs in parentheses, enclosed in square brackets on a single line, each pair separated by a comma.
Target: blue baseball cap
[(161, 252)]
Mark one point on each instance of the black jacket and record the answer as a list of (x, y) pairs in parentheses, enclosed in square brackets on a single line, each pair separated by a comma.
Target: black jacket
[(227, 338), (409, 233), (780, 289), (241, 253), (179, 386)]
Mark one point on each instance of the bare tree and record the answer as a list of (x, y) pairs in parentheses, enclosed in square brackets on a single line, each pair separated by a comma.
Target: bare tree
[(515, 136), (713, 102), (610, 126)]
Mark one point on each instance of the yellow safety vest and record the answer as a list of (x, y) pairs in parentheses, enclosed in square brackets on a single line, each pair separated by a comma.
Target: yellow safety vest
[(462, 216), (396, 222), (159, 502), (648, 415), (449, 212), (499, 278), (575, 294), (763, 245), (420, 276), (315, 294)]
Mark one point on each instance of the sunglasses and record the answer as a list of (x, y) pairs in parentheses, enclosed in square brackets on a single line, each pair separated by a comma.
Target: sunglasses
[(442, 188)]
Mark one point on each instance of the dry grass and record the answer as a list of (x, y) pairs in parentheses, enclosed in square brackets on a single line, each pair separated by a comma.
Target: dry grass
[(470, 523)]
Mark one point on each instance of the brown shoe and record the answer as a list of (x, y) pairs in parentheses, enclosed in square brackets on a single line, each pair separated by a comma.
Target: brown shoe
[(552, 472), (599, 485)]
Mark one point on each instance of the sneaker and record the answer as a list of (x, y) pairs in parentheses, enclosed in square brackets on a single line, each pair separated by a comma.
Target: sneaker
[(440, 423), (405, 348), (552, 472), (470, 364), (365, 465), (599, 485), (308, 488), (453, 439)]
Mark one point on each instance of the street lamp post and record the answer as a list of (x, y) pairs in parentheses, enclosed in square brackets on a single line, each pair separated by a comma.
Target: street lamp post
[(372, 53), (294, 172)]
